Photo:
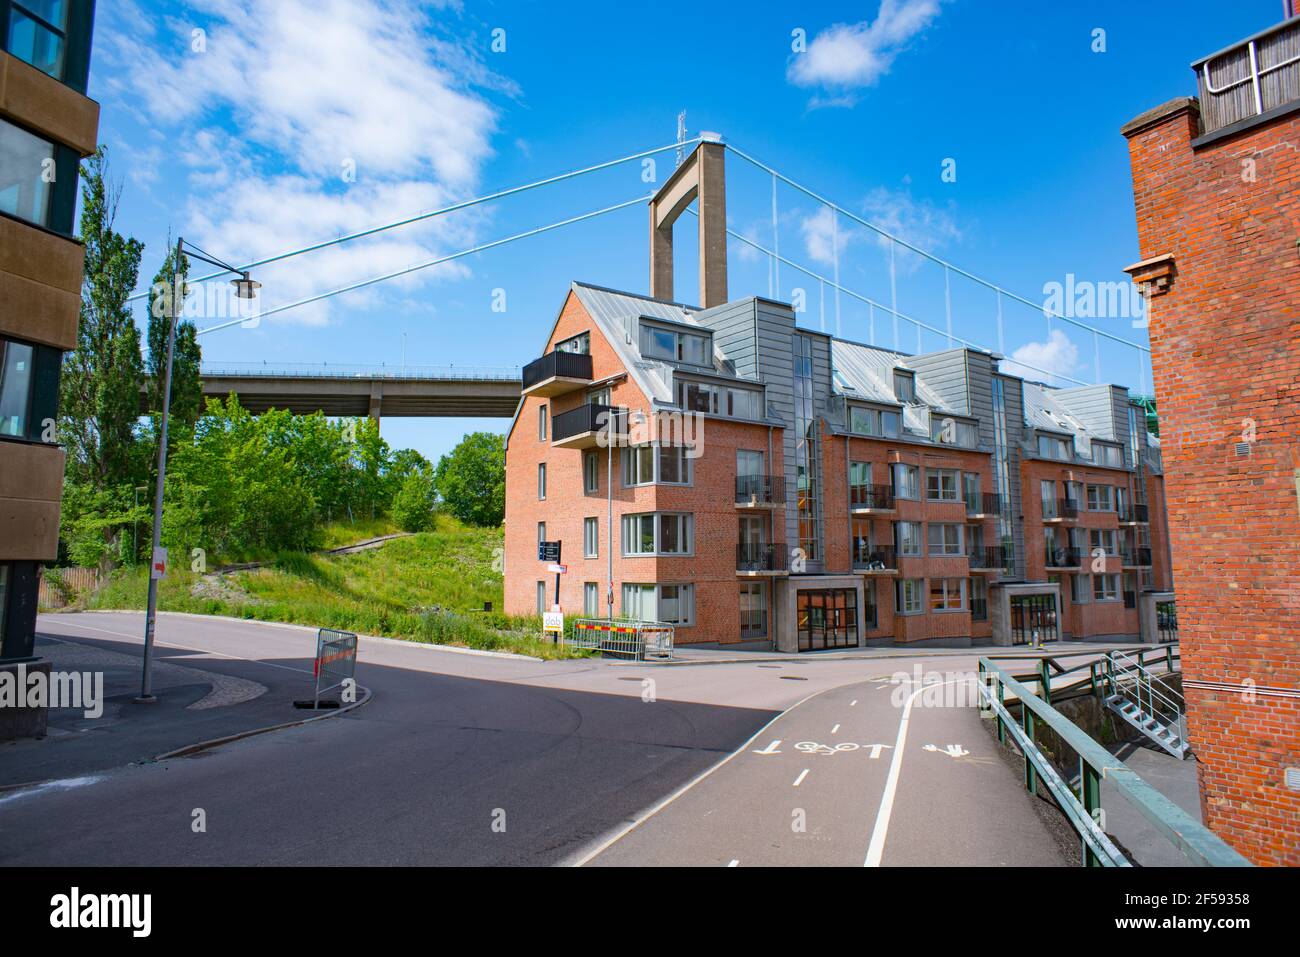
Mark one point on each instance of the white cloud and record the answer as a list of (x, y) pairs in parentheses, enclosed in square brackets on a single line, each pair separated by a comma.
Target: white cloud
[(918, 222), (821, 236), (314, 88), (850, 56), (1057, 356)]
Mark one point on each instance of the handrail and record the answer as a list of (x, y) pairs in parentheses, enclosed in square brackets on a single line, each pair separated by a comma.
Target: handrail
[(1143, 679), (1200, 845)]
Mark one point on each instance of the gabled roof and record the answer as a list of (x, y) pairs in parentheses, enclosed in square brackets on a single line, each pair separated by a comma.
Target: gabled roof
[(867, 372), (1043, 411)]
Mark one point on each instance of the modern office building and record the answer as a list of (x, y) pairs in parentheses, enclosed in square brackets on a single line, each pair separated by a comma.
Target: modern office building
[(777, 485), (47, 125), (1216, 183)]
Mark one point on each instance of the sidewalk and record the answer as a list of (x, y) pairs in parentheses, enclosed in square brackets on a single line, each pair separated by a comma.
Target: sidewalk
[(726, 656), (195, 704)]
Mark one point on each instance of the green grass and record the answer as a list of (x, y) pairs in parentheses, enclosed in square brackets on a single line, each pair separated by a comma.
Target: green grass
[(429, 587), (338, 534)]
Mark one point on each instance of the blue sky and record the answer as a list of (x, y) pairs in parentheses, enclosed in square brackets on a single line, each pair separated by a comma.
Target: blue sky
[(256, 126)]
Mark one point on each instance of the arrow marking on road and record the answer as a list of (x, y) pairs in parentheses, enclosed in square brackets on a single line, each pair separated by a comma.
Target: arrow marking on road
[(953, 750), (771, 748)]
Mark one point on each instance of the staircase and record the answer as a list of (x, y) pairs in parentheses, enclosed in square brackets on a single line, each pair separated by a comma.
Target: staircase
[(1138, 696)]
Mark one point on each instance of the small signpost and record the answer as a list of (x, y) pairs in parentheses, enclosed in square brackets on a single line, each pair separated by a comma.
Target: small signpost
[(158, 569), (336, 660), (553, 624), (549, 552)]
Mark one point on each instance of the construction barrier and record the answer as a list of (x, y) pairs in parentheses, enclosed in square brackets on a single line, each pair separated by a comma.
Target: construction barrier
[(638, 640)]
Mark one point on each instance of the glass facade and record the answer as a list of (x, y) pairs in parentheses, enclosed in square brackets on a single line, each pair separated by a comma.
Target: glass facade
[(1002, 473), (806, 451)]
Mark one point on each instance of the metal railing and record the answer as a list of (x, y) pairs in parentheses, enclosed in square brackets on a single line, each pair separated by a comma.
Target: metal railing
[(1128, 678), (589, 418), (986, 556), (570, 365), (760, 489), (986, 503), (871, 496), (1063, 557), (1250, 78), (1135, 556), (631, 638), (873, 558), (761, 557), (1134, 513), (1082, 807)]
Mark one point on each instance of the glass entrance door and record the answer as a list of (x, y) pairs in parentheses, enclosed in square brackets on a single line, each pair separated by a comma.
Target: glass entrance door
[(827, 619), (1033, 616)]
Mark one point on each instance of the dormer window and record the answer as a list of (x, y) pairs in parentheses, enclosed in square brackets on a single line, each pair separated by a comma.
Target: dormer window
[(904, 387), (659, 342), (1052, 447)]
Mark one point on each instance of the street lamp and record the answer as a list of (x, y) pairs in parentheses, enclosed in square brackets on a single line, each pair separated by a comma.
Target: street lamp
[(245, 288)]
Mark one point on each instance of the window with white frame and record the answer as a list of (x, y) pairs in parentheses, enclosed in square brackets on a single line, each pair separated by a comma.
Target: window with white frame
[(590, 472), (543, 417), (949, 431), (716, 399), (591, 599), (541, 480), (672, 604), (1101, 498), (910, 596), (541, 532), (541, 597), (658, 533), (947, 594), (878, 422), (655, 464), (1079, 591), (660, 342), (1111, 456), (1105, 587), (1047, 492), (1103, 538), (906, 480), (942, 485), (591, 538), (904, 386), (944, 539), (907, 538), (1053, 447)]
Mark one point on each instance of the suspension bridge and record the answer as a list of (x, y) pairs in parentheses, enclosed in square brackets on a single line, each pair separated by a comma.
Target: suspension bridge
[(397, 390)]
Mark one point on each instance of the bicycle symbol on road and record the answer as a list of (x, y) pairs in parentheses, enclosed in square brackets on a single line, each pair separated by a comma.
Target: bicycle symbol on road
[(812, 747)]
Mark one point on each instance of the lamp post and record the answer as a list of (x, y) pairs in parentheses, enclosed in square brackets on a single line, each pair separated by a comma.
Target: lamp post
[(245, 288)]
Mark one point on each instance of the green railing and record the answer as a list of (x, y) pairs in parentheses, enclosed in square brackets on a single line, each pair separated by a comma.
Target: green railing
[(1050, 668), (1197, 843)]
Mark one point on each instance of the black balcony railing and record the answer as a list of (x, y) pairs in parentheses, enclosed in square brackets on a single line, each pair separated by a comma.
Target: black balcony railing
[(761, 557), (871, 496), (588, 418), (987, 503), (1136, 556), (1134, 513), (1067, 508), (986, 556), (1064, 557), (873, 558), (569, 365), (763, 489)]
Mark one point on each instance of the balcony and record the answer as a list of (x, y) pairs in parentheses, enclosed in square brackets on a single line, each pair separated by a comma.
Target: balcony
[(986, 558), (760, 491), (1134, 515), (588, 426), (868, 499), (1064, 557), (984, 505), (1259, 75), (874, 559), (557, 373), (1139, 557), (1066, 510), (761, 558)]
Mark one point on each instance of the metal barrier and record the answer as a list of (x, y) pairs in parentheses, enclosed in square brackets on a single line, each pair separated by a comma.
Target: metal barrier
[(1200, 845), (336, 657), (638, 640)]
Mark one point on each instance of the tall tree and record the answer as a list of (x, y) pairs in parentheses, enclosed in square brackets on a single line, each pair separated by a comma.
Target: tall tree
[(472, 479), (187, 390), (100, 388)]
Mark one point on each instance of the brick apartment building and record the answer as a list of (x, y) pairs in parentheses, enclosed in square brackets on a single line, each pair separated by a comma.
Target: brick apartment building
[(836, 494), (1216, 182), (47, 125)]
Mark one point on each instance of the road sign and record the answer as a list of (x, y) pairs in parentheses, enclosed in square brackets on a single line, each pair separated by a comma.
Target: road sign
[(558, 569), (548, 551), (553, 624), (159, 566)]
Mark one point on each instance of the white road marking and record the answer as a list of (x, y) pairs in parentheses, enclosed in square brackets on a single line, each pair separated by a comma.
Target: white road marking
[(799, 780), (853, 703), (876, 849), (771, 748), (834, 729), (65, 784), (735, 863), (952, 750)]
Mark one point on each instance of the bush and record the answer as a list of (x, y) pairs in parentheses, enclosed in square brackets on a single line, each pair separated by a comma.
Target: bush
[(415, 504)]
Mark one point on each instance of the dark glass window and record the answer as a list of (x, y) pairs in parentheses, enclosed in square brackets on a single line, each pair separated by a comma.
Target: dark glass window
[(29, 389), (38, 179), (51, 35)]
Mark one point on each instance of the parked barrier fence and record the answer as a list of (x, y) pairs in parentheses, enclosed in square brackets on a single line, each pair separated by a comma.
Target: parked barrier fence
[(638, 640)]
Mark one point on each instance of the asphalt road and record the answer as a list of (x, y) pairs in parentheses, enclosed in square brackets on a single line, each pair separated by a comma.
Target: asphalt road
[(475, 760)]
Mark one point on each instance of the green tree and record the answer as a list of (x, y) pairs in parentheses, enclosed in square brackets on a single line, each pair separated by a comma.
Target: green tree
[(187, 389), (100, 386), (472, 479), (416, 502)]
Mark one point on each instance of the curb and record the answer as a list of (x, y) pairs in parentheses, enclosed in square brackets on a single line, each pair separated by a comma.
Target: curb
[(408, 643)]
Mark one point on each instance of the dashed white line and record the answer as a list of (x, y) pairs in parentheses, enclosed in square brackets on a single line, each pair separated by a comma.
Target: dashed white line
[(735, 863), (799, 780), (853, 703), (834, 729)]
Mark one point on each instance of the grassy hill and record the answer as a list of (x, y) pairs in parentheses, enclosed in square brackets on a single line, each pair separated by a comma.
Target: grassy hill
[(428, 587)]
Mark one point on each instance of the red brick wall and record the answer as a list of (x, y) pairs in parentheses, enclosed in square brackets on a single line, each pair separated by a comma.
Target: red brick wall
[(1225, 341)]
